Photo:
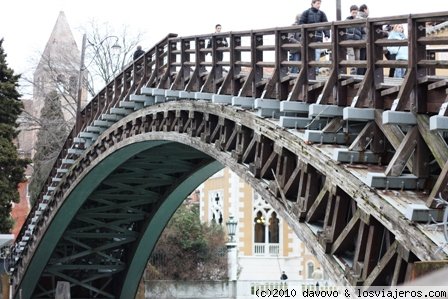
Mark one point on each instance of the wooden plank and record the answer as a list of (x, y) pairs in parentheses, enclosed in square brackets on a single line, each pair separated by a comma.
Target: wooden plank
[(402, 154), (435, 142)]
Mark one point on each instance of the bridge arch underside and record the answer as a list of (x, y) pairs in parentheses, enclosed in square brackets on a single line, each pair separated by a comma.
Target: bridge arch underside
[(117, 198)]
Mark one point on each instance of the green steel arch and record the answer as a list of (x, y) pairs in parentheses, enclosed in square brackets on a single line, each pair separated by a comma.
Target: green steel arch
[(114, 202)]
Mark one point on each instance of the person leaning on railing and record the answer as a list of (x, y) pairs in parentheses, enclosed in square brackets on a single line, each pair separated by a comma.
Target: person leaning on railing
[(353, 33), (401, 52), (295, 37), (315, 15)]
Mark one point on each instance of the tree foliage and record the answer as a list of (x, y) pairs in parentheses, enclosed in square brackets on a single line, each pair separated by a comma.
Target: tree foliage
[(50, 138), (11, 166), (189, 249)]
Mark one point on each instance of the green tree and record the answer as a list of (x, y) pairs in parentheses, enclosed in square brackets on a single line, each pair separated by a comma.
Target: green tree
[(12, 168), (189, 249), (50, 138)]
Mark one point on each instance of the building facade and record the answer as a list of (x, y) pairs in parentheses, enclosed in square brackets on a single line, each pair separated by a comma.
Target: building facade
[(266, 245)]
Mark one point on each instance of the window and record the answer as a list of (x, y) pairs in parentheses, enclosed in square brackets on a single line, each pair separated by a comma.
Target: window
[(266, 228), (309, 270), (216, 202)]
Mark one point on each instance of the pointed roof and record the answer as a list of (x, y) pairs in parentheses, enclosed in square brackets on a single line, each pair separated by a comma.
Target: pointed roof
[(61, 44)]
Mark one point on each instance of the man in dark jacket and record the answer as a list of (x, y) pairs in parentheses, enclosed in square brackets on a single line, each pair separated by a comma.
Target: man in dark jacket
[(220, 42), (353, 33), (139, 52), (315, 15)]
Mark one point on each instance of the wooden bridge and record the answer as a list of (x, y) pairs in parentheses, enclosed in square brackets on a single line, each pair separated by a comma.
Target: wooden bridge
[(355, 164)]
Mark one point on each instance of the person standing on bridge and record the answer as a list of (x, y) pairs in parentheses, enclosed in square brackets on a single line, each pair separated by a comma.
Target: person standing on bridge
[(363, 13), (139, 52), (220, 42), (353, 33), (315, 15), (295, 38), (401, 52)]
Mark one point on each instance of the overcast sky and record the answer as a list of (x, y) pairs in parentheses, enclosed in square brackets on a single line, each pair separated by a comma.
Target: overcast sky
[(26, 25)]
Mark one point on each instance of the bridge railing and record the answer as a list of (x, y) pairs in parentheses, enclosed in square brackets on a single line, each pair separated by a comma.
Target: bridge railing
[(255, 64)]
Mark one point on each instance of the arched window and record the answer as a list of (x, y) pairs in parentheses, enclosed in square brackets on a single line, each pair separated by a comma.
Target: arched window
[(274, 236), (266, 228), (259, 228), (309, 270)]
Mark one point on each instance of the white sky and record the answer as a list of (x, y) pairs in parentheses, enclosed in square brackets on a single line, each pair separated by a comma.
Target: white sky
[(26, 25)]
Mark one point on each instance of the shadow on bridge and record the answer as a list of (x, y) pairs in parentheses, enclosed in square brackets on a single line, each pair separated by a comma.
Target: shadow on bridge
[(351, 162)]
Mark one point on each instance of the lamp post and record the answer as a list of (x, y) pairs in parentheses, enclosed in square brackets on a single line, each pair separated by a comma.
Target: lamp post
[(231, 248), (82, 68)]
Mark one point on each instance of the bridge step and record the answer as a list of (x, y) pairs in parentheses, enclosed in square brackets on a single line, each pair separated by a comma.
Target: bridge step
[(346, 156), (68, 161), (130, 105), (171, 94), (421, 213), (405, 181), (203, 96), (267, 108), (438, 122), (316, 136), (222, 99), (95, 129), (244, 102), (111, 117), (186, 94), (143, 99), (358, 114), (146, 91), (75, 151), (294, 106), (79, 140), (399, 118), (120, 111), (102, 123), (317, 110), (88, 135), (302, 122)]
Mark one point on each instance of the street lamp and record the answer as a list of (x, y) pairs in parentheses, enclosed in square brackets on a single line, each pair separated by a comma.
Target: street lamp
[(231, 228), (231, 248), (82, 68)]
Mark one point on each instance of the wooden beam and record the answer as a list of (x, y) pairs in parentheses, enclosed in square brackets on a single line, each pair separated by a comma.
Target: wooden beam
[(403, 98), (393, 134), (345, 240), (383, 265), (328, 88), (402, 154), (361, 141), (440, 186), (317, 210), (434, 140)]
